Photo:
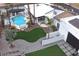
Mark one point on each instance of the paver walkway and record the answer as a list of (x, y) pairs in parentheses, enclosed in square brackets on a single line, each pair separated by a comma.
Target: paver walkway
[(67, 49)]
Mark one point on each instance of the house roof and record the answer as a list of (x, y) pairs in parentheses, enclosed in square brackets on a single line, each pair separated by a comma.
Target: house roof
[(64, 15), (75, 22), (8, 5), (2, 5), (15, 10), (75, 5)]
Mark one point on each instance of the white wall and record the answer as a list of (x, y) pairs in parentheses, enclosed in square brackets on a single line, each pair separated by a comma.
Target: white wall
[(52, 34), (53, 37), (52, 40), (73, 30), (6, 22), (66, 27), (63, 30)]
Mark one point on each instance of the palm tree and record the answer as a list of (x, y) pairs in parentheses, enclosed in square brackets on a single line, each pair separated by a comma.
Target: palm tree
[(2, 21), (34, 12), (7, 13), (2, 15), (30, 23)]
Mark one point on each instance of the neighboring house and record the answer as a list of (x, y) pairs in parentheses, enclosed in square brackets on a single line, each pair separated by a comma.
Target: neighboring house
[(75, 5)]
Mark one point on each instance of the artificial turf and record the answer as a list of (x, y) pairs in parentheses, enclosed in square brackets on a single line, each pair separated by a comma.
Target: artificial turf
[(32, 35), (50, 51)]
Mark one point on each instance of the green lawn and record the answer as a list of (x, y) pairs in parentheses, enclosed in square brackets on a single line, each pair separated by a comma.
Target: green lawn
[(31, 36), (50, 51)]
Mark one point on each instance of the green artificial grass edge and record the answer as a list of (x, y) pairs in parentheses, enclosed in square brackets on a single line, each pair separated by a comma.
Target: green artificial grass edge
[(49, 51), (32, 35)]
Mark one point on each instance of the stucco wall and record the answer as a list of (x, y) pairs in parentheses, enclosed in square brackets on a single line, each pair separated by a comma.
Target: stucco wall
[(53, 37), (63, 30), (66, 27)]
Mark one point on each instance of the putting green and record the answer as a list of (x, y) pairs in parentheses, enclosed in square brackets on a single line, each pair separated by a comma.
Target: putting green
[(31, 36), (50, 51)]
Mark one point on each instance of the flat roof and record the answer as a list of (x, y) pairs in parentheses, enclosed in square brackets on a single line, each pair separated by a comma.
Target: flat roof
[(40, 10), (44, 10), (64, 15), (75, 22)]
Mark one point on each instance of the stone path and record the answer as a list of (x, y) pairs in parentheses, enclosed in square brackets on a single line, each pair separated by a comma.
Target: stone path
[(67, 49), (27, 47), (3, 44), (5, 49)]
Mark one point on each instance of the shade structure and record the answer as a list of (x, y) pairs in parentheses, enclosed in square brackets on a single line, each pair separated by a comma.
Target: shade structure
[(43, 10)]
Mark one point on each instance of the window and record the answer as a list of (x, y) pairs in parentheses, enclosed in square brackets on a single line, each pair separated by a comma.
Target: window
[(58, 26)]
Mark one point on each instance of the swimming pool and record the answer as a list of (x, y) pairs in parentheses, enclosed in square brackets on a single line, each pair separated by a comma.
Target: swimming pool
[(19, 21)]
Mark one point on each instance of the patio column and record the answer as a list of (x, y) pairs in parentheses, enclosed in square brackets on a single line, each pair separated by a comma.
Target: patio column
[(34, 12), (34, 9)]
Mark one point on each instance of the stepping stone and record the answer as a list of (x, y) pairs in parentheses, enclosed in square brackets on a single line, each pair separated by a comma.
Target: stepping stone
[(72, 51), (68, 53), (65, 50), (69, 48), (66, 45), (59, 43), (63, 42), (62, 47)]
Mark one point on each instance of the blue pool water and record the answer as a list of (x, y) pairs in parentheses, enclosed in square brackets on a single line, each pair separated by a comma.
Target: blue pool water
[(18, 20)]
